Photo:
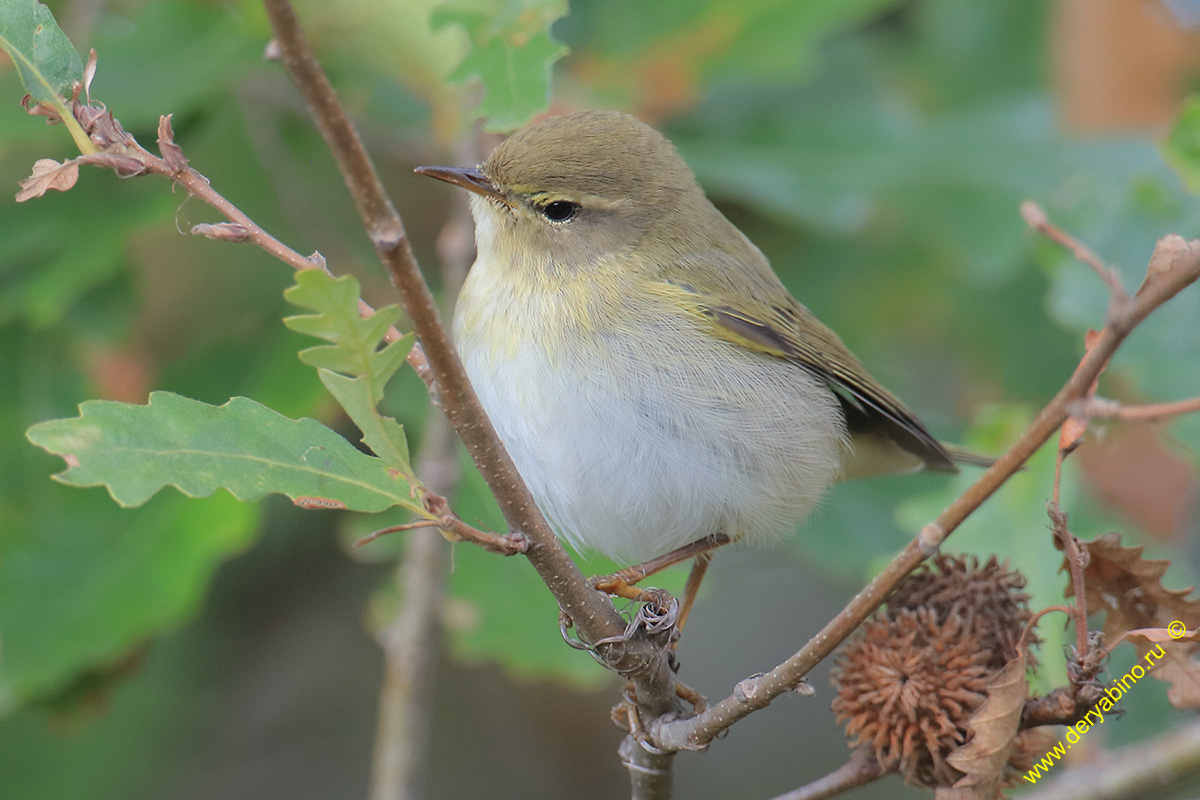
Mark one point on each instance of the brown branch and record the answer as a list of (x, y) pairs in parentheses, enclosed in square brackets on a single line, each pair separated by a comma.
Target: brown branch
[(1075, 562), (1066, 705), (1182, 269), (861, 769), (1147, 769), (245, 229), (1063, 705), (1099, 408), (434, 358), (454, 529), (591, 612), (409, 642), (1035, 217)]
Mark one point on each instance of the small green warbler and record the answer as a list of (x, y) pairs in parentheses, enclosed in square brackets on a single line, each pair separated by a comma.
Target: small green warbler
[(652, 378)]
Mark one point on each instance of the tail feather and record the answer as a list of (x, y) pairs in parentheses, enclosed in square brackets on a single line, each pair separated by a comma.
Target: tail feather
[(965, 456)]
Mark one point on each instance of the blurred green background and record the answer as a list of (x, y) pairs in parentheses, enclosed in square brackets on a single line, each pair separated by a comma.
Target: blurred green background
[(876, 150)]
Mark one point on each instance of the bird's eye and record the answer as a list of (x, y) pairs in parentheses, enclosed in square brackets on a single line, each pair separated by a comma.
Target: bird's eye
[(560, 210)]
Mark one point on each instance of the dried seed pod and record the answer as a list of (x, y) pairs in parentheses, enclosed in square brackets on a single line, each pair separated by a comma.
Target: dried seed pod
[(906, 688), (909, 681), (989, 596)]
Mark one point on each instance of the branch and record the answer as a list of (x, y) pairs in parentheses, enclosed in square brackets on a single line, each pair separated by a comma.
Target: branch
[(240, 228), (861, 769), (635, 654), (1143, 770), (592, 613), (410, 642), (1174, 265), (1099, 408), (1035, 217), (454, 529)]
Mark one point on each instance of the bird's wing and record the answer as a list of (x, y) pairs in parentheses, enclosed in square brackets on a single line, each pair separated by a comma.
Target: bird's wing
[(785, 329)]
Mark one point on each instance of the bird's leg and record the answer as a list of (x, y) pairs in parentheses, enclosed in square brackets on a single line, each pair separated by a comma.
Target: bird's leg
[(622, 582), (692, 587)]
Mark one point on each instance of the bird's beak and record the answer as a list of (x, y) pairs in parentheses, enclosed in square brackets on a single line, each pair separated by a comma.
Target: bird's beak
[(469, 178)]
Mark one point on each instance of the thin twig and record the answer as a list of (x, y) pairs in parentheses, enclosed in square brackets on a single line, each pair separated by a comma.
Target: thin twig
[(1099, 408), (1070, 436), (755, 693), (1075, 565), (1147, 769), (859, 770), (592, 613), (408, 526), (1036, 218), (199, 187), (454, 529), (410, 642)]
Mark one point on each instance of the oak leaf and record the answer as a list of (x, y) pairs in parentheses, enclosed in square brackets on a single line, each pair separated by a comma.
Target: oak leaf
[(1128, 588), (994, 725), (48, 174)]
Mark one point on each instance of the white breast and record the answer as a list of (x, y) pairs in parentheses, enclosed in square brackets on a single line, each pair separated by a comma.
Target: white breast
[(636, 450)]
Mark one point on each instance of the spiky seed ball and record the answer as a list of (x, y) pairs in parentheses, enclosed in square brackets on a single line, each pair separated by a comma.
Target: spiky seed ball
[(907, 686), (989, 596)]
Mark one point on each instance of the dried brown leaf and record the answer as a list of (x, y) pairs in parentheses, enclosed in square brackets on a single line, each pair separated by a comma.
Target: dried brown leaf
[(89, 73), (124, 166), (1169, 250), (171, 152), (1181, 671), (48, 174), (994, 724), (1132, 470), (222, 231), (40, 110), (1159, 635), (1129, 589)]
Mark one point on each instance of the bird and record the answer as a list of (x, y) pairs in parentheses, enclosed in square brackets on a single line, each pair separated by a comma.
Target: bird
[(658, 387)]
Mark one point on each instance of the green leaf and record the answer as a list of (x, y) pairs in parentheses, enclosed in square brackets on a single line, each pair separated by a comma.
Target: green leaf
[(46, 60), (82, 581), (382, 434), (242, 446), (357, 366), (512, 53), (675, 50), (1182, 147)]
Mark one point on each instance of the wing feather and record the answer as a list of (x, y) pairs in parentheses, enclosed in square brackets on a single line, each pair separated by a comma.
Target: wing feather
[(788, 330)]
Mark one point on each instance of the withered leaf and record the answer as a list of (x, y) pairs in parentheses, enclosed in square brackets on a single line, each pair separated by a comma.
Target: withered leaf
[(1134, 470), (89, 73), (1129, 590), (171, 152), (48, 174), (124, 166), (1169, 250), (223, 231), (1159, 635), (994, 724)]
